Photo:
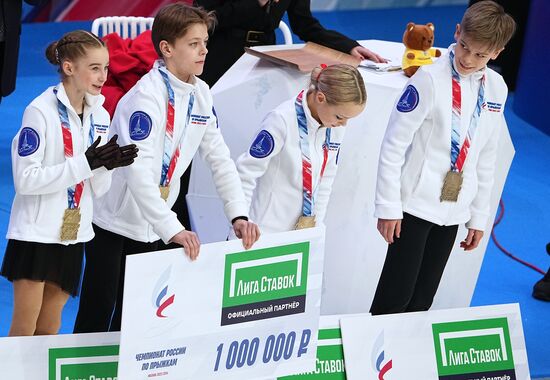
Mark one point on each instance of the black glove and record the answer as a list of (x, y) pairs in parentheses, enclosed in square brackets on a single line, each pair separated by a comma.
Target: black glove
[(91, 155), (97, 156), (124, 157)]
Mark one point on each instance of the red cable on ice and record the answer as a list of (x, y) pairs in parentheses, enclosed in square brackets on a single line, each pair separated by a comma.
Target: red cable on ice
[(507, 253)]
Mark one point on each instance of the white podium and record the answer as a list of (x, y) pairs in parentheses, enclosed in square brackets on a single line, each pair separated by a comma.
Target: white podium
[(355, 251)]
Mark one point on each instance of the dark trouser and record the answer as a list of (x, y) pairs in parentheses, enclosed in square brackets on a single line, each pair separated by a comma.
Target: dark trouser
[(413, 267), (103, 281)]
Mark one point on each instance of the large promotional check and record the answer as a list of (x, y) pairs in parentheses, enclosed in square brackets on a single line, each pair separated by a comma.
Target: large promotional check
[(231, 314)]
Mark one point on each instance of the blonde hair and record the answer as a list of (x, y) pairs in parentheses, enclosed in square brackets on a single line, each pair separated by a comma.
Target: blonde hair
[(72, 46), (172, 22), (340, 84), (487, 23)]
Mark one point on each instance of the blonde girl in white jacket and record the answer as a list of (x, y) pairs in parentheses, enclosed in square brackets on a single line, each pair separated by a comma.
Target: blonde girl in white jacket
[(287, 173), (60, 160)]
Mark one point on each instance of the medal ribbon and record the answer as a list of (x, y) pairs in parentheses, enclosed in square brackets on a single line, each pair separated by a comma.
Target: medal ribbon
[(307, 204), (458, 156), (326, 146), (169, 164), (74, 193)]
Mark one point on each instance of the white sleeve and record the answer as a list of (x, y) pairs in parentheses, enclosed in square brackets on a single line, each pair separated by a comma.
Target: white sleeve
[(253, 164), (143, 112), (481, 204), (412, 108), (101, 181), (30, 177), (325, 187), (224, 173)]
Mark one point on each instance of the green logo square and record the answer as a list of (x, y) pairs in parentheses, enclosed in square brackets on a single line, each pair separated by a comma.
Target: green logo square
[(83, 362), (265, 283), (473, 348)]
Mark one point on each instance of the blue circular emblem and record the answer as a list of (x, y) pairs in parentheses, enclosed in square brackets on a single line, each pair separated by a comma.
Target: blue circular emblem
[(29, 141), (409, 99), (140, 126), (263, 145)]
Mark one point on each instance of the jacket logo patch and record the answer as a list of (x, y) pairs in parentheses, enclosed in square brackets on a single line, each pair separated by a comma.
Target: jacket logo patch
[(29, 141), (409, 99), (140, 126), (263, 145), (199, 119), (492, 106)]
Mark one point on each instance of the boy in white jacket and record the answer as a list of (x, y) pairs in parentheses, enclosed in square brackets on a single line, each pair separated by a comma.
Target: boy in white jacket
[(287, 173), (437, 161), (169, 115), (59, 166)]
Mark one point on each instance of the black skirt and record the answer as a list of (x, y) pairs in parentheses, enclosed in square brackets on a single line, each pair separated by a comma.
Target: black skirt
[(54, 263)]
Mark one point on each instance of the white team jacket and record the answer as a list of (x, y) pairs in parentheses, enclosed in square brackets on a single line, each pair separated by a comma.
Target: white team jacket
[(41, 173), (415, 154), (133, 206), (271, 170)]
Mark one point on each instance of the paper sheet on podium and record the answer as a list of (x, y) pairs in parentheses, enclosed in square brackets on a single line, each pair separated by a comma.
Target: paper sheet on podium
[(393, 64), (306, 58)]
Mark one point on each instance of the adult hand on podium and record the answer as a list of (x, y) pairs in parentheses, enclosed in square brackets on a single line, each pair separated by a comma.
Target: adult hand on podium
[(363, 53)]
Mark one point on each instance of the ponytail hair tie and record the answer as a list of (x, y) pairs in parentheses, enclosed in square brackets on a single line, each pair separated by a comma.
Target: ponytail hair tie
[(323, 66)]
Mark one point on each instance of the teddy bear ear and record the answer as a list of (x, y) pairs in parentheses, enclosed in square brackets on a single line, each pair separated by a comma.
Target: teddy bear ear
[(430, 25), (410, 26)]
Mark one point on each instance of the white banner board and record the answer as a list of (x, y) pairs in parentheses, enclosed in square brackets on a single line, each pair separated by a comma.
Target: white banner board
[(231, 314), (60, 357), (480, 343)]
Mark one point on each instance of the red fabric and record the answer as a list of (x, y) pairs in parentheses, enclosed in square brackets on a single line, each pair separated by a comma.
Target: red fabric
[(129, 60), (88, 10)]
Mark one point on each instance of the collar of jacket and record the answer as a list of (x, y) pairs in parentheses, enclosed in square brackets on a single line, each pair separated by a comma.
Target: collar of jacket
[(91, 102), (180, 87)]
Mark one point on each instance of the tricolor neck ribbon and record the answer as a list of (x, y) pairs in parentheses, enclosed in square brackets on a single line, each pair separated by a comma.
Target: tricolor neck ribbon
[(169, 163), (307, 204), (458, 155), (74, 193)]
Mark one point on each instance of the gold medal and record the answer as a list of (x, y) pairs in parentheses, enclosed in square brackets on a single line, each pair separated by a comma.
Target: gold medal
[(71, 223), (164, 191), (305, 222), (451, 186)]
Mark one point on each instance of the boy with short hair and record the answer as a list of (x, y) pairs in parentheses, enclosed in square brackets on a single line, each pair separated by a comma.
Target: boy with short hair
[(437, 161), (169, 115)]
